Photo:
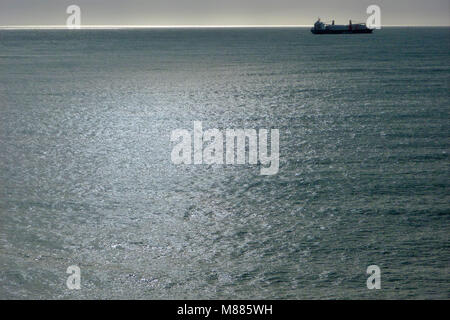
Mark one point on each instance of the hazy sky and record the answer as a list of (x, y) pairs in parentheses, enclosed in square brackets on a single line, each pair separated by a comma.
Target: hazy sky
[(222, 12)]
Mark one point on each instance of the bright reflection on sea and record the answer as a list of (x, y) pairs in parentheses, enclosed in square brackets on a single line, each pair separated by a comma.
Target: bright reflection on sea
[(86, 177)]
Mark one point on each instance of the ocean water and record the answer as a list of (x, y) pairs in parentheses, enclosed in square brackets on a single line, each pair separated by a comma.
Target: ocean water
[(86, 176)]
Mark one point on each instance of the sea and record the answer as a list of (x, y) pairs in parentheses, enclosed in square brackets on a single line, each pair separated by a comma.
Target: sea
[(87, 180)]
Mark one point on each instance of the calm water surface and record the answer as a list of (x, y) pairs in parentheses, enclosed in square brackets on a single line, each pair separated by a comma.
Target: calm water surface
[(86, 177)]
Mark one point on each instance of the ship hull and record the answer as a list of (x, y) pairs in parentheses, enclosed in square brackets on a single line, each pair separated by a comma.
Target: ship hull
[(341, 31)]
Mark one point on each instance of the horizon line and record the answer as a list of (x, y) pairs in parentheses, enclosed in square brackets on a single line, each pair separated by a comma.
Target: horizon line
[(87, 27)]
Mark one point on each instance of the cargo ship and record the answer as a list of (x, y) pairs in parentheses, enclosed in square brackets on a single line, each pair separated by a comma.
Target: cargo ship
[(323, 28)]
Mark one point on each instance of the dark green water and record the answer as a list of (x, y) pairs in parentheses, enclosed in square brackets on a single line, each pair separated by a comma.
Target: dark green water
[(86, 177)]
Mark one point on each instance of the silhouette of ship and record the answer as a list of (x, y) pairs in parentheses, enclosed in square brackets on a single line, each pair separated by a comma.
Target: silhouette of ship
[(323, 28)]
